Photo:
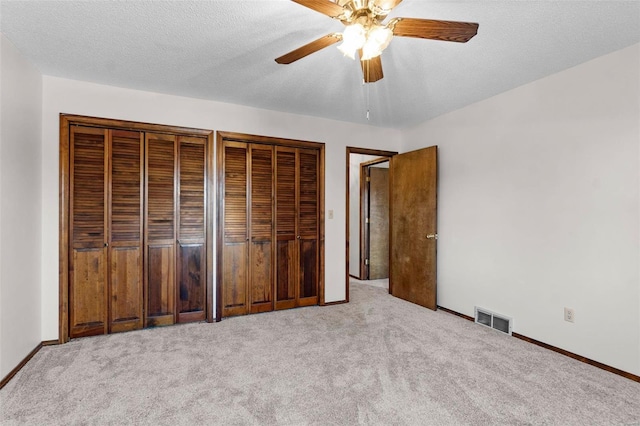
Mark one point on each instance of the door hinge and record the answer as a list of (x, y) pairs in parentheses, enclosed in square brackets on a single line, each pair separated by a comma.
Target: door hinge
[(366, 262), (366, 220), (368, 179)]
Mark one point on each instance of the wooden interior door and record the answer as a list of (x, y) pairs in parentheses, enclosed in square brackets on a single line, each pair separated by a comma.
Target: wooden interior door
[(261, 247), (378, 226), (235, 297), (414, 178), (191, 244), (308, 219), (88, 239), (286, 227), (161, 229), (125, 254)]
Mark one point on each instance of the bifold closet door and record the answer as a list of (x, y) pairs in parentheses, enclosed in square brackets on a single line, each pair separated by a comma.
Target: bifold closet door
[(248, 248), (286, 227), (297, 227), (106, 231), (88, 266), (308, 227), (261, 228), (235, 297), (192, 275), (160, 238), (125, 230)]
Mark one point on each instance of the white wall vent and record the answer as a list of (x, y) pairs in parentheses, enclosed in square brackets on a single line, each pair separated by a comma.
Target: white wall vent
[(491, 319)]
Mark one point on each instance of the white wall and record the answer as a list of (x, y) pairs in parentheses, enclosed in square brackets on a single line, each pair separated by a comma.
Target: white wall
[(539, 198), (20, 206), (68, 96)]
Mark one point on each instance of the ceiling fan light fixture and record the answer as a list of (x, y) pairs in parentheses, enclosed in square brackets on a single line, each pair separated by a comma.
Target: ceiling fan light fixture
[(378, 39), (354, 38)]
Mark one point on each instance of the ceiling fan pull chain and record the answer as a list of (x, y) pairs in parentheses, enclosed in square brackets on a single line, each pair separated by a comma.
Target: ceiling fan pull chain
[(368, 94)]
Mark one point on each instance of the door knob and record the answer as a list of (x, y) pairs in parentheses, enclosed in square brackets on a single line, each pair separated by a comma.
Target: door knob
[(432, 236), (298, 237), (106, 244)]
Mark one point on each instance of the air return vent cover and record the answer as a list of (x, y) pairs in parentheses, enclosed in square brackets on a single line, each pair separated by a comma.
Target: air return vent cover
[(491, 319)]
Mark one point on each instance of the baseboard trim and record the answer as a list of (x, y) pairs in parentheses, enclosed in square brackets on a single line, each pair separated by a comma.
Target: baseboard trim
[(458, 314), (581, 358), (577, 357), (26, 359)]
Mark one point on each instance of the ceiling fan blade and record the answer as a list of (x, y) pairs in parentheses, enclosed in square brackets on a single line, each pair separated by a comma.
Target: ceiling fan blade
[(383, 7), (310, 48), (326, 7), (372, 69), (432, 29)]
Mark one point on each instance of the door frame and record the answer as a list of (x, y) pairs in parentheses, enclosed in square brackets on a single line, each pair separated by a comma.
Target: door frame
[(67, 120), (221, 137), (365, 192), (365, 151)]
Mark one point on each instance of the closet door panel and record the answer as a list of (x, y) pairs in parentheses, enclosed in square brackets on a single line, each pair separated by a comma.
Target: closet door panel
[(88, 293), (125, 240), (308, 227), (88, 232), (192, 275), (260, 256), (286, 225), (126, 289), (192, 285), (234, 275), (235, 254), (286, 274), (160, 229), (161, 289), (308, 273), (261, 277)]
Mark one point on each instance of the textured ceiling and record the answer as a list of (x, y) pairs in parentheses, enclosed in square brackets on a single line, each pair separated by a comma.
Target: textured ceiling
[(225, 51)]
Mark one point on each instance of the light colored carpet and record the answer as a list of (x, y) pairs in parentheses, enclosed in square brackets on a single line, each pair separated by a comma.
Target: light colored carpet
[(382, 283), (376, 360)]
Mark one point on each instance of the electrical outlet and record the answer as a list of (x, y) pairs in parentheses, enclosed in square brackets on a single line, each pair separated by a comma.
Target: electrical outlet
[(569, 315)]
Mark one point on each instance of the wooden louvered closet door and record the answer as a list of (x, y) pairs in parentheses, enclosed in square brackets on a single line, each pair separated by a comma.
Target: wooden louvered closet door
[(160, 229), (192, 276), (125, 230), (297, 227), (308, 227), (235, 239), (106, 231), (134, 241), (286, 227), (270, 227), (261, 229), (88, 232), (248, 248)]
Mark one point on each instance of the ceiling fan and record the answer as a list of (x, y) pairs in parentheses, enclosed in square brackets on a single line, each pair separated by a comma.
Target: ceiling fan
[(366, 34)]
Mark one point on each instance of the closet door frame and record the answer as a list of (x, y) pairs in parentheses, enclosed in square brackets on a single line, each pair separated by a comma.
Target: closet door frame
[(68, 120), (223, 137)]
